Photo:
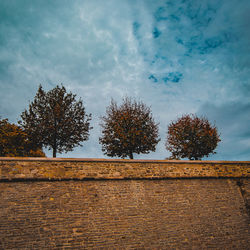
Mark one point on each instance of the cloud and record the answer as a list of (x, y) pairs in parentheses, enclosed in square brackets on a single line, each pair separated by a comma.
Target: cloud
[(232, 120), (176, 56)]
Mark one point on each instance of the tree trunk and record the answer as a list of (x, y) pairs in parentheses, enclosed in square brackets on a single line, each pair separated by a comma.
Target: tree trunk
[(131, 155), (54, 146), (54, 152), (55, 136)]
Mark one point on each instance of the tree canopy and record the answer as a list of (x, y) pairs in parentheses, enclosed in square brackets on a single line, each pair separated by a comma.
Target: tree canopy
[(56, 120), (15, 142), (127, 129), (191, 137)]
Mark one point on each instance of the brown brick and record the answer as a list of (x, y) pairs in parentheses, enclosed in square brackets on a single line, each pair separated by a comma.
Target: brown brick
[(135, 213)]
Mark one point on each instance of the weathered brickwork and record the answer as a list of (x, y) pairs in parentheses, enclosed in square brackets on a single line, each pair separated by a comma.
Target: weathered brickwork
[(45, 168), (134, 213)]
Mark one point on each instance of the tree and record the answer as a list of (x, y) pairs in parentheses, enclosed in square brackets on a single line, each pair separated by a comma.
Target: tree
[(15, 142), (191, 137), (128, 129), (55, 119)]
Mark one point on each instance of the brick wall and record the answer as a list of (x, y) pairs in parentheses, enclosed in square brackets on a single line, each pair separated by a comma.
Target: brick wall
[(83, 203)]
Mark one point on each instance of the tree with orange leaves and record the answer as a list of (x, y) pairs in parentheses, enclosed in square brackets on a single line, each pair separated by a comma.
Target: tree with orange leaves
[(128, 129), (191, 137), (15, 142)]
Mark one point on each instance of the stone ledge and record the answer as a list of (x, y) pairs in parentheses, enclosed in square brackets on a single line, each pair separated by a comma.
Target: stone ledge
[(83, 169), (37, 159)]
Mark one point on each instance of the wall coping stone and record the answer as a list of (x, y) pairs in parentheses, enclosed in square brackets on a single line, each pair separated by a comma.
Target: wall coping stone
[(82, 169), (37, 159)]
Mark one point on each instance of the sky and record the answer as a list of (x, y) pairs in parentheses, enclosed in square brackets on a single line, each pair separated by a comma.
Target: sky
[(178, 57)]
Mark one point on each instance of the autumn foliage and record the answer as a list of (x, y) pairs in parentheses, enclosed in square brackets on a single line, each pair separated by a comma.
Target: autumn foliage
[(191, 137), (15, 142), (127, 129), (56, 120)]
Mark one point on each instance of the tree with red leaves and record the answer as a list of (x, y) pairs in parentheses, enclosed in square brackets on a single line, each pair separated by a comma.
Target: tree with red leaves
[(128, 129), (191, 137)]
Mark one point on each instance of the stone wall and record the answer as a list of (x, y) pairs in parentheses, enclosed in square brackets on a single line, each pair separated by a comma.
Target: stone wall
[(47, 168), (123, 204)]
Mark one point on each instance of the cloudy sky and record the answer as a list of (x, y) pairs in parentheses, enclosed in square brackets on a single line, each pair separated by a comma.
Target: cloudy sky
[(180, 56)]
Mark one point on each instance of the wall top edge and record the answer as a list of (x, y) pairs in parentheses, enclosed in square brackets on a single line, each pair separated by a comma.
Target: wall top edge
[(45, 159)]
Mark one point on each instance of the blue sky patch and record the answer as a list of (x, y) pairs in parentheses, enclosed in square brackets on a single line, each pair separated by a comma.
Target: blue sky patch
[(173, 77), (156, 33), (153, 78)]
